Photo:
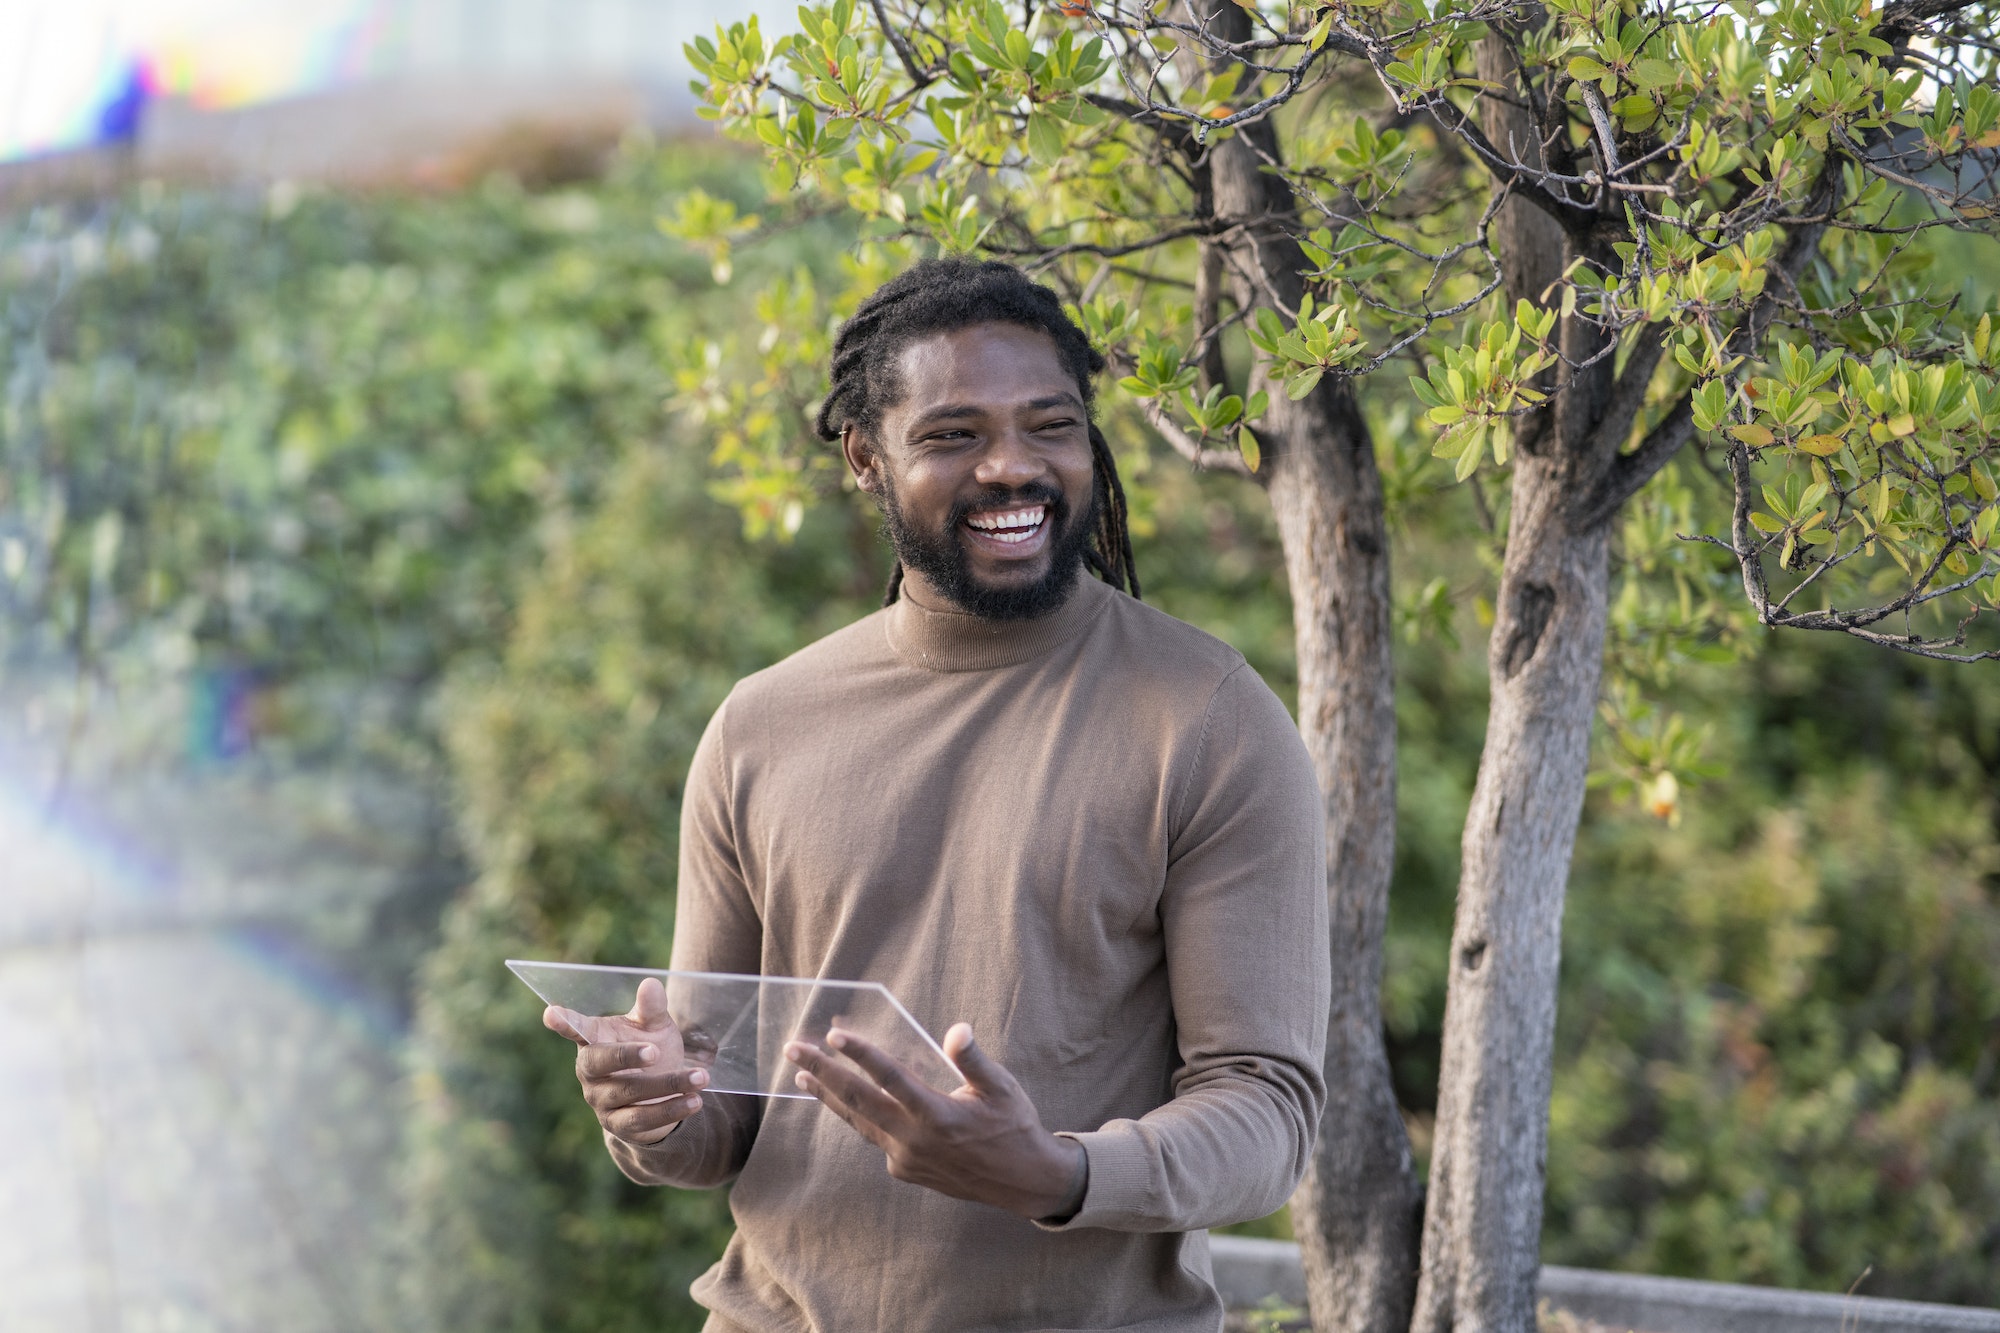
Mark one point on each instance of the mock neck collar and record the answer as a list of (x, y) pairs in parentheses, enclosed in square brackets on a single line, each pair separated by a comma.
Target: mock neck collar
[(956, 641)]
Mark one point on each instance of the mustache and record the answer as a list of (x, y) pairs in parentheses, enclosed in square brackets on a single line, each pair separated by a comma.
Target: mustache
[(1009, 497)]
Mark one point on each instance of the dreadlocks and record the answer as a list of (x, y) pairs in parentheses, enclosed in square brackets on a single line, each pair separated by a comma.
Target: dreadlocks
[(942, 296)]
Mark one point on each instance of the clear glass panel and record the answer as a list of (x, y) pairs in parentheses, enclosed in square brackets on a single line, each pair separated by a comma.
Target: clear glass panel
[(736, 1025)]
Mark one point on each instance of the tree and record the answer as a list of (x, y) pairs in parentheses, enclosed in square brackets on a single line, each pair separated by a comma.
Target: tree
[(1595, 230)]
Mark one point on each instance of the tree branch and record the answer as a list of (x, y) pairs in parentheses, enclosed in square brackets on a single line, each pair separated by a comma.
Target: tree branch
[(1630, 472), (922, 78), (1184, 444), (1527, 180)]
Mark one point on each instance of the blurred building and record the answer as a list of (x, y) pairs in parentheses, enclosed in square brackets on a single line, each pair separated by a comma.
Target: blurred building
[(342, 91)]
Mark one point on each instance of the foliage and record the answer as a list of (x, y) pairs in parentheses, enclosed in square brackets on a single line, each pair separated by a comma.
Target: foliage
[(306, 435), (1779, 1058), (319, 441)]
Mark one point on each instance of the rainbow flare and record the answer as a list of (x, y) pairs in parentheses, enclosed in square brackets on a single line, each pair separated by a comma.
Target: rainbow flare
[(72, 75)]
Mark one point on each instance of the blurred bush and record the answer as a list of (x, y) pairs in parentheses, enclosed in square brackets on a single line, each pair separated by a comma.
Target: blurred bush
[(1780, 1031)]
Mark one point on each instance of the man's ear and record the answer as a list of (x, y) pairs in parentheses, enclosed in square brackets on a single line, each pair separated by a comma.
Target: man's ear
[(860, 456)]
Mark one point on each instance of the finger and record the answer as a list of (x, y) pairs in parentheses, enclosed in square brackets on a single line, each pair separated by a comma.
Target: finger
[(854, 1090), (565, 1023), (868, 1129), (649, 1006), (891, 1074), (978, 1068), (604, 1061), (608, 1094), (647, 1125)]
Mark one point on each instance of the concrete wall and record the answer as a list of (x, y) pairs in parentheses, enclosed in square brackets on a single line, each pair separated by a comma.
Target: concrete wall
[(1249, 1271)]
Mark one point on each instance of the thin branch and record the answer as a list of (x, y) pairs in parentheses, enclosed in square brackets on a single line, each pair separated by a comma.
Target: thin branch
[(922, 78), (1188, 447)]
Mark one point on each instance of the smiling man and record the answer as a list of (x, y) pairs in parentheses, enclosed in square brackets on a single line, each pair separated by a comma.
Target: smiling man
[(1079, 831)]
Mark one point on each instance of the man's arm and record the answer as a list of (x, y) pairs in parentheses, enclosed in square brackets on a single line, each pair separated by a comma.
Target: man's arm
[(1245, 919), (716, 929)]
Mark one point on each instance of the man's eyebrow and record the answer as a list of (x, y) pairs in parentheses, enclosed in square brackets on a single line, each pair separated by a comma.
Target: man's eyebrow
[(961, 411), (948, 412)]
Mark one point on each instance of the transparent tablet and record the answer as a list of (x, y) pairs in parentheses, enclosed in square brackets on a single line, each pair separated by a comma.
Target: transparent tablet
[(737, 1026)]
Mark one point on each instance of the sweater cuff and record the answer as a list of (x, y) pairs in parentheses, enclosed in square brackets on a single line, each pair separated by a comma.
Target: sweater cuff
[(1121, 1172), (662, 1163)]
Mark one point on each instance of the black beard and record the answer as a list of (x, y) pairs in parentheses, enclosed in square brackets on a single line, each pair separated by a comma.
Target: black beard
[(941, 557)]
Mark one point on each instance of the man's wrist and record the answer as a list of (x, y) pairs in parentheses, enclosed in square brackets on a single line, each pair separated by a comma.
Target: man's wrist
[(1079, 1185)]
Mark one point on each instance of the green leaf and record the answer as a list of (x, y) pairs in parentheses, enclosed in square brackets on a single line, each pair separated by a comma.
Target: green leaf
[(1475, 449), (1303, 383), (1246, 444), (1045, 143), (1651, 74), (1583, 67)]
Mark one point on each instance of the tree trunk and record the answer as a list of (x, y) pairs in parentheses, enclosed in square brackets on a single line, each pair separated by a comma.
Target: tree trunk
[(1482, 1225), (1356, 1212), (1482, 1228)]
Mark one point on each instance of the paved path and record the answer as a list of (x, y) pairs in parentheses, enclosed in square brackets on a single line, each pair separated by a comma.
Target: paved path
[(197, 1112)]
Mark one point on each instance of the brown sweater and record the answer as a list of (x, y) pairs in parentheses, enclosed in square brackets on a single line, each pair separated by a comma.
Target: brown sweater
[(1097, 838)]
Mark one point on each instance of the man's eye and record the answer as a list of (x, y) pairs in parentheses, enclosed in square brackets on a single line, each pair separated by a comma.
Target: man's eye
[(1063, 424)]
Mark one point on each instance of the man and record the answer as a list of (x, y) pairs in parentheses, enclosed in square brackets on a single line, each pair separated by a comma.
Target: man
[(1083, 832)]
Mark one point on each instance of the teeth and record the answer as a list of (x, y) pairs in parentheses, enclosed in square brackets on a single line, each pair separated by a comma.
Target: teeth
[(996, 524)]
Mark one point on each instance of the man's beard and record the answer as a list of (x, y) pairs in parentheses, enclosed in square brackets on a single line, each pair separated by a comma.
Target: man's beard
[(942, 558)]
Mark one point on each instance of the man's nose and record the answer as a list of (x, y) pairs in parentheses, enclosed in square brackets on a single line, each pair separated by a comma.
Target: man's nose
[(1010, 459)]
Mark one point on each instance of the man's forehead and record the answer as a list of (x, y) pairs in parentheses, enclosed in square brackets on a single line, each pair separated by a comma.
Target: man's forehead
[(982, 362)]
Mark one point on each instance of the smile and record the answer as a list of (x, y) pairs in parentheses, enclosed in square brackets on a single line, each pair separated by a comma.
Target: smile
[(1010, 527)]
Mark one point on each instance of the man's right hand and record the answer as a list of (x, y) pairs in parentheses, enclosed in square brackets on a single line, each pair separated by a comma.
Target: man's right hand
[(634, 1070)]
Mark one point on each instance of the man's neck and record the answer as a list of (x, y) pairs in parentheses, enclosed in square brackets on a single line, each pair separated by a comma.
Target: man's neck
[(925, 593)]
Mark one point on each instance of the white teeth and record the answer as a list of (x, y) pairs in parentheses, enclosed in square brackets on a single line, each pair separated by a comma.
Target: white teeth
[(997, 524)]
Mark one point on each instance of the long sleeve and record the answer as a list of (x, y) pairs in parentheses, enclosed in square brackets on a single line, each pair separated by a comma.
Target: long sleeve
[(716, 929), (1244, 918)]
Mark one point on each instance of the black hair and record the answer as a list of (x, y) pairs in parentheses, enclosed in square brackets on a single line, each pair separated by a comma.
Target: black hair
[(942, 296)]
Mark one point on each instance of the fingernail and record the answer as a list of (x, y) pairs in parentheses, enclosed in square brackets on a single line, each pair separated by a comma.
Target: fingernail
[(649, 1053), (804, 1081), (699, 1078), (836, 1039), (694, 1104)]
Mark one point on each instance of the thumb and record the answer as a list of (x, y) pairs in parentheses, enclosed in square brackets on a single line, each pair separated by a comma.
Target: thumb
[(649, 1006), (975, 1066)]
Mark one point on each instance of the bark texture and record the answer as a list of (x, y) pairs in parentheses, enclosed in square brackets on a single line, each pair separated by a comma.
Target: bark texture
[(1482, 1228), (1357, 1211), (1482, 1225)]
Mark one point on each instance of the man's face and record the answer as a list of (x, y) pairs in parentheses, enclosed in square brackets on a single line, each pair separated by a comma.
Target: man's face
[(984, 471)]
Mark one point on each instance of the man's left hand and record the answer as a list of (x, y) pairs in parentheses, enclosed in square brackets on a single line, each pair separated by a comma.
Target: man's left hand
[(983, 1142)]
